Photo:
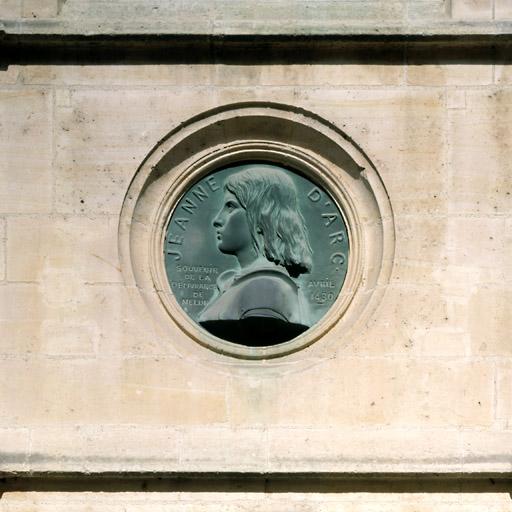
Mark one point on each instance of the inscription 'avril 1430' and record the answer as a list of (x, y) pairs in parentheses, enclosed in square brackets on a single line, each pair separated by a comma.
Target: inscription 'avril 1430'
[(256, 253)]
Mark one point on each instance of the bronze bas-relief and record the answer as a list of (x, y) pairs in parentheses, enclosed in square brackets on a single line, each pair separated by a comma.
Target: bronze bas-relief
[(256, 253)]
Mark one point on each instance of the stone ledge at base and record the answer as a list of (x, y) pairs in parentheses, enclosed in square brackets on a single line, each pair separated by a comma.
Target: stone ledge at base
[(255, 29), (164, 450)]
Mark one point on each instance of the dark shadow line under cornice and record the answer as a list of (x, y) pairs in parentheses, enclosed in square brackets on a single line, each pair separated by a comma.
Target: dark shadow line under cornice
[(304, 482), (250, 50)]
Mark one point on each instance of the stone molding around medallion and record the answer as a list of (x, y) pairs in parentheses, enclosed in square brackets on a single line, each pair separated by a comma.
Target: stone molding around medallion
[(257, 131)]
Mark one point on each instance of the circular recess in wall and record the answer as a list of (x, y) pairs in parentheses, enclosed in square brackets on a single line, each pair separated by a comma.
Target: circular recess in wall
[(256, 228)]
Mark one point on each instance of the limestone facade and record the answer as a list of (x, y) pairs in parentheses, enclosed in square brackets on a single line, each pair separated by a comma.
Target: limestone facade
[(92, 384)]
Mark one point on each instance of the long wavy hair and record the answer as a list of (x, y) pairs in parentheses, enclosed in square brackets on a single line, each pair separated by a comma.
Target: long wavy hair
[(278, 230)]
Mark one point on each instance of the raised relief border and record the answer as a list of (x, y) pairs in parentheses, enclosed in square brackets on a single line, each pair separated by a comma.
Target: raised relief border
[(257, 230)]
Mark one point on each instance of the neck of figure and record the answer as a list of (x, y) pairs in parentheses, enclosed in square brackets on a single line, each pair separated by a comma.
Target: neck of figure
[(248, 256)]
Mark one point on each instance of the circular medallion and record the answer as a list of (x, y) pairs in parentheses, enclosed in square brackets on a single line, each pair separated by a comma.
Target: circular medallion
[(256, 253), (256, 230)]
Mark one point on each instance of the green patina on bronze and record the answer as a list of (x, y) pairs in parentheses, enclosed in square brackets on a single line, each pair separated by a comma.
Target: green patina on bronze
[(256, 253)]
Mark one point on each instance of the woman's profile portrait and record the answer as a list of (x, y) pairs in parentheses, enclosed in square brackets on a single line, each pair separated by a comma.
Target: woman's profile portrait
[(258, 301)]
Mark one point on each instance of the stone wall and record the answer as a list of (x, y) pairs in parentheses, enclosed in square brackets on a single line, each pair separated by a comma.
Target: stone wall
[(91, 385), (240, 502)]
